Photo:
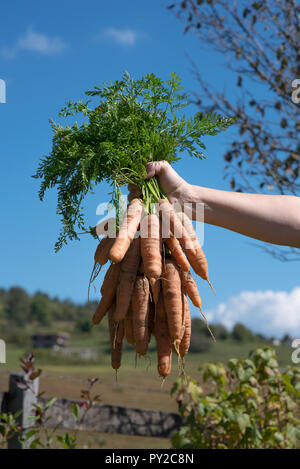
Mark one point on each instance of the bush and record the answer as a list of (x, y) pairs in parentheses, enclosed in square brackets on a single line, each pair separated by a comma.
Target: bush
[(250, 404), (83, 325)]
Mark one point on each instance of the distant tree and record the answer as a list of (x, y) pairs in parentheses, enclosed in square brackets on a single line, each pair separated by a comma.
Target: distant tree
[(260, 338), (68, 310), (199, 343), (242, 334), (220, 332), (3, 295), (2, 316), (17, 306), (20, 308), (286, 339), (198, 325), (83, 325), (2, 304), (64, 310), (261, 42), (39, 310)]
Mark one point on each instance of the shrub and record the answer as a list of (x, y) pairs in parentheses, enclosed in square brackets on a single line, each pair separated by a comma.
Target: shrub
[(250, 404), (83, 325)]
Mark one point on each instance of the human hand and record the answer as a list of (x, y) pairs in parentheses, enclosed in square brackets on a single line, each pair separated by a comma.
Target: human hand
[(175, 187)]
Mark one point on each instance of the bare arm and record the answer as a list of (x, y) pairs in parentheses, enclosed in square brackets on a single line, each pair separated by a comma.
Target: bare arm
[(270, 218)]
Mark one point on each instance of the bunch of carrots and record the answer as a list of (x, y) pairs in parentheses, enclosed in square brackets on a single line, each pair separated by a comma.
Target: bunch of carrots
[(124, 125), (146, 286)]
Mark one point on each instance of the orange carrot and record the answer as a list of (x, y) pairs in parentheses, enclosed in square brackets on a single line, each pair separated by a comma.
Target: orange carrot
[(140, 311), (150, 246), (195, 255), (129, 268), (154, 283), (129, 334), (106, 228), (172, 296), (186, 339), (119, 331), (191, 289), (127, 231), (102, 251), (100, 258), (108, 291), (155, 288), (177, 252), (172, 224), (108, 275), (177, 229), (163, 339), (100, 248), (116, 339)]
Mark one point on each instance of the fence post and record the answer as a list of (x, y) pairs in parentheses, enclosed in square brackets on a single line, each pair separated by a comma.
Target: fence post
[(21, 400)]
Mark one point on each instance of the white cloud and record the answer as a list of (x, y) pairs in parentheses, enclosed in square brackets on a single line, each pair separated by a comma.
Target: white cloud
[(35, 42), (272, 313), (125, 37), (41, 43)]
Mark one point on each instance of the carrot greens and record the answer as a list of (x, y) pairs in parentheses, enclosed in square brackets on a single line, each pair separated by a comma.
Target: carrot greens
[(125, 124)]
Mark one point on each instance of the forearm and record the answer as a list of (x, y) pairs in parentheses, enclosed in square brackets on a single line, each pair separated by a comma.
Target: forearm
[(270, 218)]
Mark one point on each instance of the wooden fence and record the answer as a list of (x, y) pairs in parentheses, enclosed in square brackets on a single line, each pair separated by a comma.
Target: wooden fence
[(100, 418)]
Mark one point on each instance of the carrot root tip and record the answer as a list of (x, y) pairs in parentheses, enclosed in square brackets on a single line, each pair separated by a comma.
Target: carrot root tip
[(176, 344), (207, 325), (211, 286)]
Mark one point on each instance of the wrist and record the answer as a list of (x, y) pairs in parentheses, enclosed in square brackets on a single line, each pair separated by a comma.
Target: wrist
[(196, 197)]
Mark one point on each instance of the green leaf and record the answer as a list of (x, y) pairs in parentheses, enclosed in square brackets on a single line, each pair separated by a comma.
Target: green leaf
[(243, 421), (2, 429), (50, 402), (278, 437), (75, 410), (30, 434), (35, 443), (194, 390)]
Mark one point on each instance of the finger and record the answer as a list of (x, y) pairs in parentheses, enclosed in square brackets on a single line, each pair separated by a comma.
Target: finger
[(152, 169)]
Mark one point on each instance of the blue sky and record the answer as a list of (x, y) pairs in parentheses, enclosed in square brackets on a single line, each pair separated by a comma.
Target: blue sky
[(52, 52)]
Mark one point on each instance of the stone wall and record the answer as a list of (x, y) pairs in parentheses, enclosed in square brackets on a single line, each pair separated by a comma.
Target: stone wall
[(116, 419)]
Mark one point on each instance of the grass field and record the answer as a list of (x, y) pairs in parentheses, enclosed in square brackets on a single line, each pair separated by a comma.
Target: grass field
[(136, 385), (133, 374)]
